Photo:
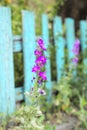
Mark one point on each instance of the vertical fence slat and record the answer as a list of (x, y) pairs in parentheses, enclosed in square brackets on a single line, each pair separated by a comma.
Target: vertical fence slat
[(45, 35), (70, 39), (28, 23), (83, 31), (7, 90), (70, 36), (60, 43)]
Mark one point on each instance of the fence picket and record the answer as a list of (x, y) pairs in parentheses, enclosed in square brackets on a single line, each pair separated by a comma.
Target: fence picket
[(7, 91), (70, 39), (83, 31), (60, 44), (28, 47), (45, 35), (70, 36)]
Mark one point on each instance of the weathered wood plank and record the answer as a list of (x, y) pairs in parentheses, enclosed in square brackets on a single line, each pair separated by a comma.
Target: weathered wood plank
[(70, 40), (83, 31), (60, 44), (45, 36), (28, 23), (7, 91), (70, 36)]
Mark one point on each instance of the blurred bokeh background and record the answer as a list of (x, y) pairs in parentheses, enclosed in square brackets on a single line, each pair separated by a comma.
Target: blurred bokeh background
[(70, 95)]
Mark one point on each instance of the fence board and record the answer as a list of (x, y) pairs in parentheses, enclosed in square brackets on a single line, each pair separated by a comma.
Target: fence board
[(29, 45), (45, 35), (83, 31), (60, 44), (7, 91), (70, 36), (70, 39)]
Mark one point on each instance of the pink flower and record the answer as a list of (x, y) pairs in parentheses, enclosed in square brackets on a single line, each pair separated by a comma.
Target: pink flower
[(42, 47), (41, 44), (40, 41), (35, 68), (43, 76), (37, 52), (41, 60)]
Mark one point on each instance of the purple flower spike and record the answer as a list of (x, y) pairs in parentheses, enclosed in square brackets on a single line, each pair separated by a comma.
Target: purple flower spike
[(40, 62), (41, 91), (75, 60), (76, 47), (43, 76), (35, 68)]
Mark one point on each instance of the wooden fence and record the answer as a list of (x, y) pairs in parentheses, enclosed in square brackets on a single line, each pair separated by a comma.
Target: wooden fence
[(26, 44)]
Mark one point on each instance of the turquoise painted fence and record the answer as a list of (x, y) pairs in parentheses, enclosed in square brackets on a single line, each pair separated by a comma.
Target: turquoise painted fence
[(26, 44)]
